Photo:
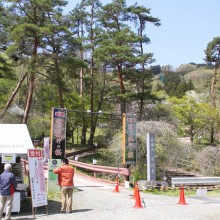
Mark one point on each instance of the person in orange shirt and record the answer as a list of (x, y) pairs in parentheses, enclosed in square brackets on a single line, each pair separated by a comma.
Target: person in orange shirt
[(65, 180)]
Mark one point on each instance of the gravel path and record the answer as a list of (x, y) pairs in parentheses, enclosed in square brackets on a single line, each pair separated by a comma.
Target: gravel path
[(104, 204)]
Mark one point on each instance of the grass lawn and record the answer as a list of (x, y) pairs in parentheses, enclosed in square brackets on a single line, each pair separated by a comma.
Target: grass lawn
[(173, 192)]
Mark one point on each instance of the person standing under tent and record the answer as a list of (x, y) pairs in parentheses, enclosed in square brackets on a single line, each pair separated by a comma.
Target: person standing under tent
[(8, 184)]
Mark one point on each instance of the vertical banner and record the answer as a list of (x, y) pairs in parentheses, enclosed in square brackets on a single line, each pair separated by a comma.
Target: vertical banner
[(151, 162), (46, 149), (58, 133), (37, 181), (130, 139), (52, 181)]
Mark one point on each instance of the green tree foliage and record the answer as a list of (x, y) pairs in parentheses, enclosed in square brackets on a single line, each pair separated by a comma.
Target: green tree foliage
[(95, 58), (200, 78), (5, 22), (119, 46), (193, 116), (155, 70), (26, 34), (86, 28), (6, 69), (212, 51), (141, 16), (5, 88), (175, 85), (39, 126), (33, 22), (213, 56), (186, 68), (168, 148)]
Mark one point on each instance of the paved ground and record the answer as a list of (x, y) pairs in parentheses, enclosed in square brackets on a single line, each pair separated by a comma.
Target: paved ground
[(106, 205), (97, 201)]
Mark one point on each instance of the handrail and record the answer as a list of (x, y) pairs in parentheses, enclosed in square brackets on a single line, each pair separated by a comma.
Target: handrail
[(103, 169), (73, 154), (95, 168), (195, 180)]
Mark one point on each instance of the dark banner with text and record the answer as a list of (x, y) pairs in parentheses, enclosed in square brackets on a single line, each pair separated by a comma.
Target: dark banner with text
[(58, 133), (130, 139)]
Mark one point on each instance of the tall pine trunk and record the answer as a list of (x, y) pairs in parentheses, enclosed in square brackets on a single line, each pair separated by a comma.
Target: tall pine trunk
[(122, 88), (29, 98), (13, 95)]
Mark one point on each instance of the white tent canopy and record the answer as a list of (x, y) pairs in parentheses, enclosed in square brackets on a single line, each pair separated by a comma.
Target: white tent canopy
[(15, 138)]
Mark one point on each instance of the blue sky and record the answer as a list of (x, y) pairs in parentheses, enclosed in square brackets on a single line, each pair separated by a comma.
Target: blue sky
[(187, 26)]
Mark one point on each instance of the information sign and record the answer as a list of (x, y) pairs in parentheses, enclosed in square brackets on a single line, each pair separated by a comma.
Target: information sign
[(8, 158), (46, 149), (52, 183), (130, 139), (151, 162), (37, 180)]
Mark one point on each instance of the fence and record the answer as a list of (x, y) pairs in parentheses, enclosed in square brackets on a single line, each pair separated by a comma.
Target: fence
[(91, 167)]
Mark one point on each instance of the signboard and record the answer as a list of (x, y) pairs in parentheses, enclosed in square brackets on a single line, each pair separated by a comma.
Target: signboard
[(17, 171), (52, 180), (58, 133), (130, 139), (151, 162), (37, 181), (8, 158), (46, 149)]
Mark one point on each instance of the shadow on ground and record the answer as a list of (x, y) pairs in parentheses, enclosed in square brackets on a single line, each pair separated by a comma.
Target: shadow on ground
[(26, 210), (53, 208), (82, 210)]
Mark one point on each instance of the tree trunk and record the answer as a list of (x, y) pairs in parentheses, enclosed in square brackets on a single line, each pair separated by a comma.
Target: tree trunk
[(60, 93), (212, 135), (122, 89), (72, 136), (212, 132), (31, 85), (13, 95), (142, 71), (83, 136), (95, 119), (29, 99), (191, 134), (92, 124), (59, 83), (81, 77)]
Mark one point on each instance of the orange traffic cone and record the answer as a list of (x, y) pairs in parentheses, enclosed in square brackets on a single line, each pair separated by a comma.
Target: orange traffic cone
[(137, 199), (116, 185), (135, 191), (182, 197)]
